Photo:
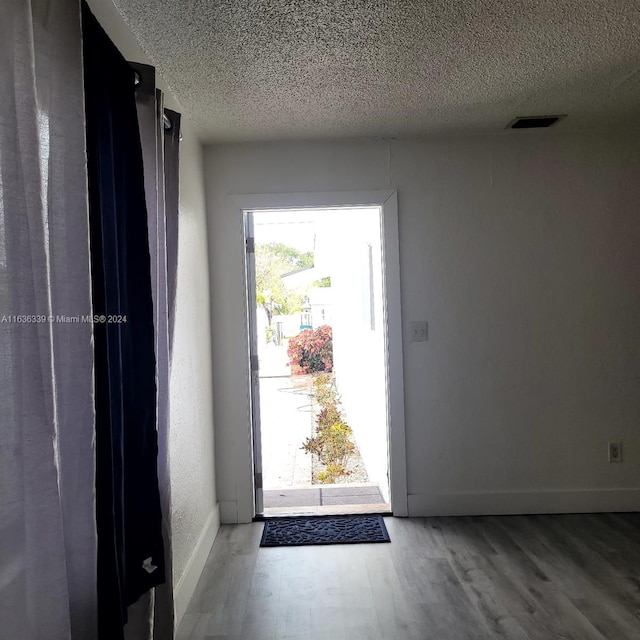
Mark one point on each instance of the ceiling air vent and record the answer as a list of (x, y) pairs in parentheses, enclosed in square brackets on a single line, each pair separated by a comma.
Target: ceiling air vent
[(532, 122)]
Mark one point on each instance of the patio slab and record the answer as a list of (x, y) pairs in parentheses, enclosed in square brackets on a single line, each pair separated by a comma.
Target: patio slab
[(323, 496), (291, 497), (354, 499), (351, 490)]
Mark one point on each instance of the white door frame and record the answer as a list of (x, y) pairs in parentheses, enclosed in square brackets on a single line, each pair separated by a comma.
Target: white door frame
[(392, 316), (254, 394)]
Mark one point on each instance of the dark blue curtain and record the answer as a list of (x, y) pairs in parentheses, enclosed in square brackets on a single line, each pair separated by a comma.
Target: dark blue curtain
[(129, 520), (171, 185)]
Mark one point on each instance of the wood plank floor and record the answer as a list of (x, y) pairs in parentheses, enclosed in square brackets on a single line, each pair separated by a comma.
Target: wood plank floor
[(575, 577)]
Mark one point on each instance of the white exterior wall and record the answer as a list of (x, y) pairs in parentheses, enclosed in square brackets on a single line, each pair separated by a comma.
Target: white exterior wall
[(521, 251), (321, 303), (290, 324), (358, 339)]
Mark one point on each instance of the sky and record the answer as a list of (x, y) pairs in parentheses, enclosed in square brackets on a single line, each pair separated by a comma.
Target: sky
[(299, 227), (293, 228)]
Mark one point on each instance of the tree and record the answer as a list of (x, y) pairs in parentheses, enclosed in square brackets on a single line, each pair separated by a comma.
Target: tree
[(323, 283), (294, 258), (272, 261)]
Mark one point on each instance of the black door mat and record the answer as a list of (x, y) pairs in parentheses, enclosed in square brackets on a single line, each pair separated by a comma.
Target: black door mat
[(290, 532)]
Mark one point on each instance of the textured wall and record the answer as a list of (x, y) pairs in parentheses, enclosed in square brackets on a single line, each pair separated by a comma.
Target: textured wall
[(191, 418), (521, 250)]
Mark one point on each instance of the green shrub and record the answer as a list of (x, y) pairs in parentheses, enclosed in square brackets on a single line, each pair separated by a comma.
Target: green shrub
[(325, 392), (331, 474), (331, 441), (270, 333)]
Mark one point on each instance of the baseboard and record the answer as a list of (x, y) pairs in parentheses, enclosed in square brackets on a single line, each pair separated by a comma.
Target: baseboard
[(523, 502), (186, 586)]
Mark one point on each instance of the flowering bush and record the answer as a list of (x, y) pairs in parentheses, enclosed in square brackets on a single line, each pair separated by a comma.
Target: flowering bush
[(312, 351), (331, 442)]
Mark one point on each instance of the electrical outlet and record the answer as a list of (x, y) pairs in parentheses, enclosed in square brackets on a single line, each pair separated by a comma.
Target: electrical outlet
[(419, 331), (615, 452)]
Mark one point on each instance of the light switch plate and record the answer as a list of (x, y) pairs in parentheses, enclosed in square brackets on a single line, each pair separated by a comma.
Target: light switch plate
[(419, 331), (615, 452)]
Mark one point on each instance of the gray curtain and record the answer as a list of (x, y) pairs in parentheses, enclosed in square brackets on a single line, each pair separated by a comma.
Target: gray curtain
[(47, 458), (152, 617)]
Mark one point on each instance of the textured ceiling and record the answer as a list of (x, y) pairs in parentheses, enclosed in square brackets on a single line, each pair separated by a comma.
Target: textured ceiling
[(274, 69)]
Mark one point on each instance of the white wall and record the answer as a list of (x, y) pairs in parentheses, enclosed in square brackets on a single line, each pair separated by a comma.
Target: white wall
[(194, 517), (359, 339), (521, 251)]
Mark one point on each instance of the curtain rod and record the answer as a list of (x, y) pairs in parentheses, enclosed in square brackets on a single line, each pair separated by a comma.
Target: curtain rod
[(166, 120)]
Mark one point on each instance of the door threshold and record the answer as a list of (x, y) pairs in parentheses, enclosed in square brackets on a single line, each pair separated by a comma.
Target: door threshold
[(270, 516)]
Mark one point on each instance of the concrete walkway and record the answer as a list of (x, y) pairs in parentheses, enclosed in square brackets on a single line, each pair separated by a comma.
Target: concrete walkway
[(286, 420)]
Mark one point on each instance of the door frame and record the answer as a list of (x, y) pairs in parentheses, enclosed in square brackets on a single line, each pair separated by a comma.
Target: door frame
[(392, 320), (254, 372)]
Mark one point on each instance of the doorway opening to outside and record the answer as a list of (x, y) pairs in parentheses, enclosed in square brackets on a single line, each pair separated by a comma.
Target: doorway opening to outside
[(318, 355)]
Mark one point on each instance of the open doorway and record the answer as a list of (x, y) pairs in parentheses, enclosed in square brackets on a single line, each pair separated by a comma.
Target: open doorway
[(317, 323)]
